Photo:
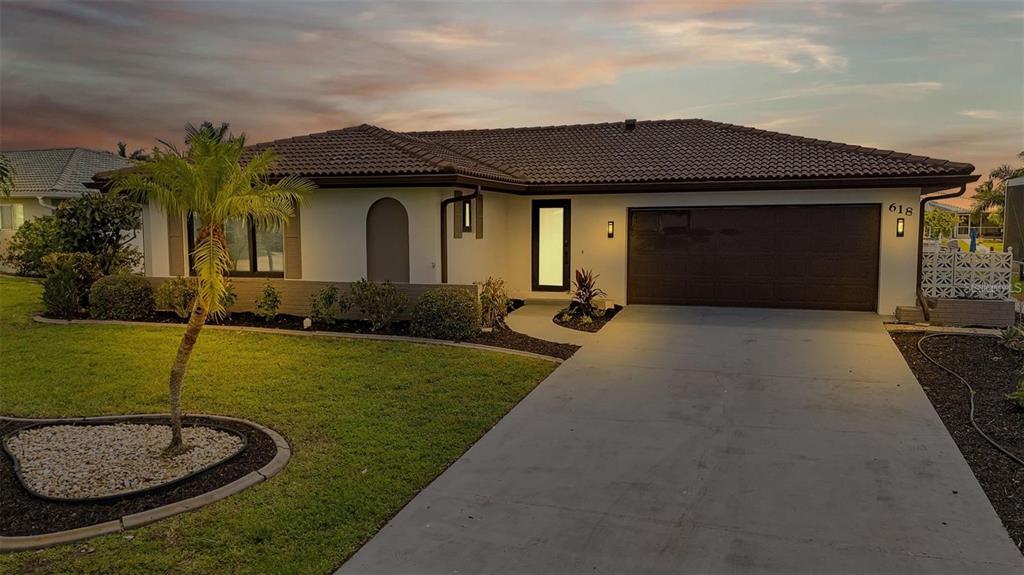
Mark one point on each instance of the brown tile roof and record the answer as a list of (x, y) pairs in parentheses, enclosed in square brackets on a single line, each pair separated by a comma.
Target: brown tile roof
[(652, 151)]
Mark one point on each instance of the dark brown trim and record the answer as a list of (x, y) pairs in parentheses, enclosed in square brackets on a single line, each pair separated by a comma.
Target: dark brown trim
[(535, 207), (444, 228), (457, 208), (479, 223), (928, 184)]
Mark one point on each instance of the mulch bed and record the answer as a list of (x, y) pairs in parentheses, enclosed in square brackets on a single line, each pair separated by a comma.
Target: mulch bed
[(508, 339), (991, 369), (594, 326), (21, 513), (500, 337)]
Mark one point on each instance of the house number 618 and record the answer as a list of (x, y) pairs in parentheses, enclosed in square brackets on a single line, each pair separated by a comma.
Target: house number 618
[(898, 208)]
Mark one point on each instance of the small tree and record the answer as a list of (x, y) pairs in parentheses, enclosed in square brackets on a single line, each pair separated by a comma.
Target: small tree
[(208, 180), (940, 223), (99, 224)]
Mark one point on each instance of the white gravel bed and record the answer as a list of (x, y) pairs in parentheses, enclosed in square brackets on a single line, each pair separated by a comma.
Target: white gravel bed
[(80, 461)]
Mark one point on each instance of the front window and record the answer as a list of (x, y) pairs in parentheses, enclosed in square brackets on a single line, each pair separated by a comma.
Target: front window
[(253, 251)]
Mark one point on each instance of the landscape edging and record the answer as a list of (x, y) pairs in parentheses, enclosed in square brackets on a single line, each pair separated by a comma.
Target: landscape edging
[(131, 521), (314, 333)]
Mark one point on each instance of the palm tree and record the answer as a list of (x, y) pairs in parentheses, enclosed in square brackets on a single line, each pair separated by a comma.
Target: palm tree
[(138, 155), (6, 177), (209, 181), (992, 192)]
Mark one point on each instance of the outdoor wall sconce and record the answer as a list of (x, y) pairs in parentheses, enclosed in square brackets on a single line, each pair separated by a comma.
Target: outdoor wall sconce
[(611, 229), (899, 227)]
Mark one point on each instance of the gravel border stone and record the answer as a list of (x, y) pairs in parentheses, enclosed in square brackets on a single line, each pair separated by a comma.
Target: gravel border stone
[(29, 542), (88, 461)]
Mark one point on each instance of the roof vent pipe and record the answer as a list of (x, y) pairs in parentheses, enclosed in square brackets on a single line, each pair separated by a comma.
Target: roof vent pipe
[(630, 124)]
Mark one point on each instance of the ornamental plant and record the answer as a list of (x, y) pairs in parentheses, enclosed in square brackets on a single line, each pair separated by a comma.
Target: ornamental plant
[(268, 302), (584, 292)]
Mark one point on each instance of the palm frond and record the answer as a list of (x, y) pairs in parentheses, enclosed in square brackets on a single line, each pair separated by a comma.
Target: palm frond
[(212, 262)]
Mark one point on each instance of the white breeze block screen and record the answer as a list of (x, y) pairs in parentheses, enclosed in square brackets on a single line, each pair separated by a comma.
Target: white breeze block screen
[(957, 274)]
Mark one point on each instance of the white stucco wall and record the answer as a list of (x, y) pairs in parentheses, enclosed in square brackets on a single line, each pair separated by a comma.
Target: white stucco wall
[(333, 232), (591, 248), (156, 257), (333, 235)]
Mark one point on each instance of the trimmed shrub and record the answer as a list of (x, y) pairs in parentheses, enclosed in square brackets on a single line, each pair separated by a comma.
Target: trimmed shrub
[(268, 302), (177, 294), (446, 313), (326, 305), (379, 302), (121, 296), (494, 302), (34, 240), (68, 279)]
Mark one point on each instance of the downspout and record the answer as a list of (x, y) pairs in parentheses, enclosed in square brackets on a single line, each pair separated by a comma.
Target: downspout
[(42, 202), (444, 229), (921, 299)]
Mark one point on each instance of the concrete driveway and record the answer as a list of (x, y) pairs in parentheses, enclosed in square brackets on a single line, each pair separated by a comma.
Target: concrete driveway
[(700, 440)]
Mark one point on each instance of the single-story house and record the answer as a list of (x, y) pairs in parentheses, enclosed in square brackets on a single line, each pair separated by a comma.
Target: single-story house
[(967, 218), (44, 178), (689, 212)]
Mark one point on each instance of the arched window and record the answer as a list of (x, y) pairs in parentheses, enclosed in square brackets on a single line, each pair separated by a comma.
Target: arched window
[(387, 241)]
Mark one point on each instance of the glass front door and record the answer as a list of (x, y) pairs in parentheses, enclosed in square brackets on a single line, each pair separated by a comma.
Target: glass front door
[(551, 236)]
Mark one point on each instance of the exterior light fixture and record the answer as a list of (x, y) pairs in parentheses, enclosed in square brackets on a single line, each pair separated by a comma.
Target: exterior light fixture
[(611, 229), (899, 227)]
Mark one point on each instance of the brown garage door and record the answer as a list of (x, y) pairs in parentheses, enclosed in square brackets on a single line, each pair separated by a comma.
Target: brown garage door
[(818, 257)]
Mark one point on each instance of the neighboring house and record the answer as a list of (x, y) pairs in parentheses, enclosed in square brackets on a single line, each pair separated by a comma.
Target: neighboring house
[(44, 178), (667, 212), (967, 219)]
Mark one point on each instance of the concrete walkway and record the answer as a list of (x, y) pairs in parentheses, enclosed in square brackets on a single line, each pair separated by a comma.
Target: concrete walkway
[(698, 440), (534, 319)]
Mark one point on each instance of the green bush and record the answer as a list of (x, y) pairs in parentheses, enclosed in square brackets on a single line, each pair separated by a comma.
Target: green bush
[(177, 294), (229, 298), (66, 285), (326, 305), (446, 313), (1018, 396), (121, 296), (494, 302), (379, 302), (34, 240), (268, 302)]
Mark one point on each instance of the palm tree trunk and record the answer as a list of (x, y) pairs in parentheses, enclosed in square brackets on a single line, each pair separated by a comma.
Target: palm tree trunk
[(188, 341)]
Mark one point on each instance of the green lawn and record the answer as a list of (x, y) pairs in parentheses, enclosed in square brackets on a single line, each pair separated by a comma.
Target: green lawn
[(371, 423)]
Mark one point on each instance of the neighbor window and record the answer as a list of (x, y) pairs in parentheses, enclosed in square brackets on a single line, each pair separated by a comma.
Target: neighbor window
[(11, 216), (253, 251)]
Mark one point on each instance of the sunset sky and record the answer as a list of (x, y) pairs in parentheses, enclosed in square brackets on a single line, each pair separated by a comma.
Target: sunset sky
[(942, 79)]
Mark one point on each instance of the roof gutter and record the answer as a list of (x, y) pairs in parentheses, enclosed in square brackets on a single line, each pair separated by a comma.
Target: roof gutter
[(921, 299), (444, 229)]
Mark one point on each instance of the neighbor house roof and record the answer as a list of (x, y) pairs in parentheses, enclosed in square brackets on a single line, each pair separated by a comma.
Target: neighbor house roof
[(961, 205), (59, 172), (698, 153)]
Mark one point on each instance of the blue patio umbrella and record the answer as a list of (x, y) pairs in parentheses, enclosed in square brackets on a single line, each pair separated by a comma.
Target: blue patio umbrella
[(974, 239)]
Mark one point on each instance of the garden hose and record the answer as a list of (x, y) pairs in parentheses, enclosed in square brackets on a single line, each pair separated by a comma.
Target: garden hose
[(970, 389)]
